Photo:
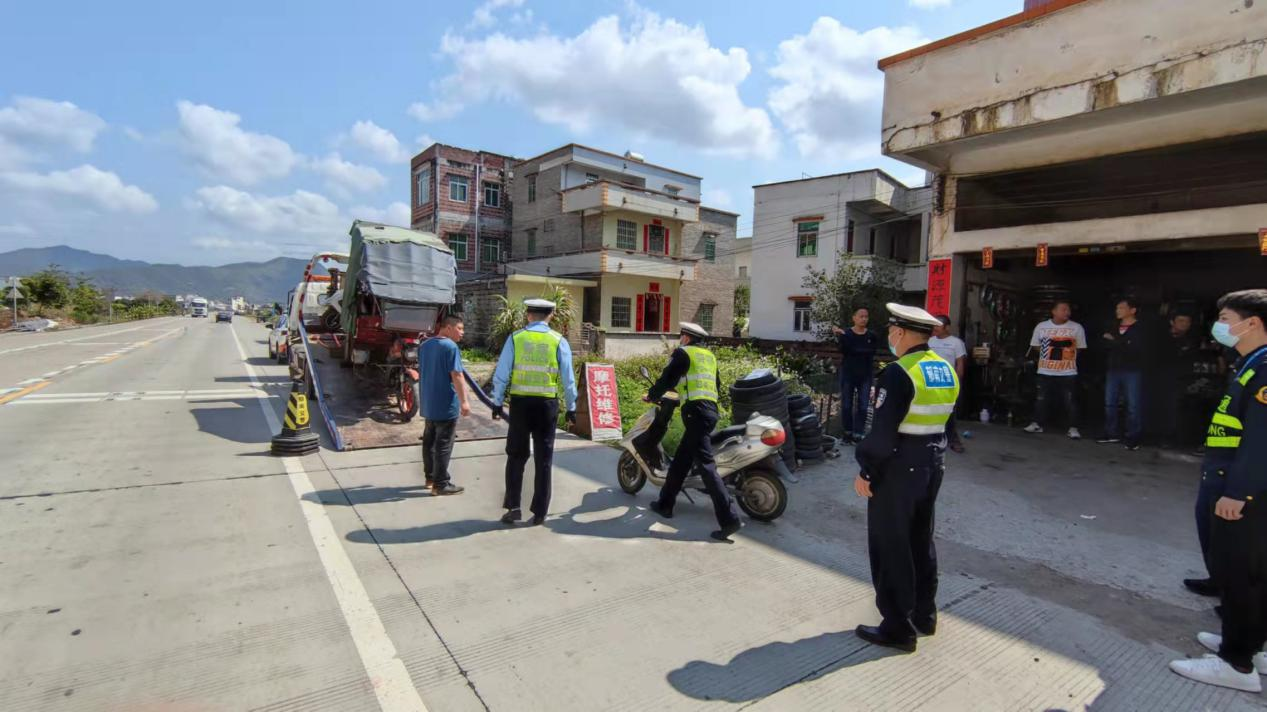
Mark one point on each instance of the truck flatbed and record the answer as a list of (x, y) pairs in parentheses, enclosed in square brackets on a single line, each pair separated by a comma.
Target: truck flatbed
[(359, 412)]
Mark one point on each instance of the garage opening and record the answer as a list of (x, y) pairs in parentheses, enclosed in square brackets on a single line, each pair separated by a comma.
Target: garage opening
[(1002, 305)]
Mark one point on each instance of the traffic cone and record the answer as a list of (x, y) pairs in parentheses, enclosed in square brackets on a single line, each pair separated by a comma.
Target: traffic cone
[(296, 437)]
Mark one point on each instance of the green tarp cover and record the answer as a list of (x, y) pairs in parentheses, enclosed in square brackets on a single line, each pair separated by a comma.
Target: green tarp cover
[(397, 265)]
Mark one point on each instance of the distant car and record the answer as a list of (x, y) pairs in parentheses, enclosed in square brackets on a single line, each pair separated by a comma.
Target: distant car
[(224, 315), (277, 340)]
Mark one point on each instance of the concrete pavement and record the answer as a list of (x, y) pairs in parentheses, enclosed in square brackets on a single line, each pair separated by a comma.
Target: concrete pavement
[(155, 557)]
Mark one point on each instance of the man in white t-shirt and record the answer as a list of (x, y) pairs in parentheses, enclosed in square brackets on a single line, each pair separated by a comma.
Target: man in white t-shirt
[(951, 348), (1058, 341)]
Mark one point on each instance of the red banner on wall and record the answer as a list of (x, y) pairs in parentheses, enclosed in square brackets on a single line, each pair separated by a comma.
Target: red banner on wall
[(1262, 241), (603, 400), (938, 300)]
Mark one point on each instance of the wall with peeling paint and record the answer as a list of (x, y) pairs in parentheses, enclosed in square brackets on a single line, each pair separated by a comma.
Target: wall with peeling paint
[(1066, 67)]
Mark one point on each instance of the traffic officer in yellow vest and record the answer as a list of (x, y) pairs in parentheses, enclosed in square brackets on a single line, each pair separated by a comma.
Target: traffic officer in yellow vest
[(902, 463), (534, 368), (692, 371), (1231, 521)]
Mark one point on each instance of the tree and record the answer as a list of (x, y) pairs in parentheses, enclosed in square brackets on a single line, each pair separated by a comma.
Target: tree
[(743, 299), (858, 282), (47, 289), (513, 316), (86, 302)]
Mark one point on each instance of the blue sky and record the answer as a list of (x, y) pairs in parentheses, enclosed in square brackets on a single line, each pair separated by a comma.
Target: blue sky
[(206, 133)]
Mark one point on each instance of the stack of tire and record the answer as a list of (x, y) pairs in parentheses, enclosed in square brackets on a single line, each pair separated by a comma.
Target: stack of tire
[(807, 430), (763, 392)]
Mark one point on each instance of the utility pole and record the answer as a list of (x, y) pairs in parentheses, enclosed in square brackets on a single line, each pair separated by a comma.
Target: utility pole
[(14, 283)]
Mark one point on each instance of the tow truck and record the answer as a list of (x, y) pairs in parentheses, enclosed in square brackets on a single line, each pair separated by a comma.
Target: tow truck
[(355, 319)]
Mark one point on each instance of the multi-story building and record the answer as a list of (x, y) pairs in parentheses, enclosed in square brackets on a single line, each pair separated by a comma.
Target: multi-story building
[(636, 231), (743, 260), (463, 197), (813, 224), (1090, 149)]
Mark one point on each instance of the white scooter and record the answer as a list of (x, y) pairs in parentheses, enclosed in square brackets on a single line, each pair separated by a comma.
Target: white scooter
[(747, 459)]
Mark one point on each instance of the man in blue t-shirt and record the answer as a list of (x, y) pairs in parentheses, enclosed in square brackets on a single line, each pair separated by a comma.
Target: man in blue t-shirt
[(443, 400)]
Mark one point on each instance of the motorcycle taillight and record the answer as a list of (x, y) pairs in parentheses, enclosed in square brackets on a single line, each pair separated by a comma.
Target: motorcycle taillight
[(773, 437)]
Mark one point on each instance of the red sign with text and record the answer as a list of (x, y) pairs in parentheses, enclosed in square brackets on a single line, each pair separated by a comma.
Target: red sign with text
[(604, 403), (987, 258), (938, 301), (1040, 255), (1262, 241)]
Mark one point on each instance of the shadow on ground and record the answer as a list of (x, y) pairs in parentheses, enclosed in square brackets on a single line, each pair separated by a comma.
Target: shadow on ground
[(759, 672), (366, 494)]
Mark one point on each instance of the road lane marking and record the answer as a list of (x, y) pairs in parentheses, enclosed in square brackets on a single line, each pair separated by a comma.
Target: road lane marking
[(391, 682), (128, 396), (25, 391), (46, 378), (74, 341)]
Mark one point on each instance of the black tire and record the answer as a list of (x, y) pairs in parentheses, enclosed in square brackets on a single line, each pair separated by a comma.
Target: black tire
[(629, 474), (279, 357), (761, 495), (755, 393), (407, 412), (799, 403), (805, 420), (761, 380)]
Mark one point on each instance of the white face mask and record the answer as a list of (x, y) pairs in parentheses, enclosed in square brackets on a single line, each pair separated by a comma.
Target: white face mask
[(892, 346), (1222, 333)]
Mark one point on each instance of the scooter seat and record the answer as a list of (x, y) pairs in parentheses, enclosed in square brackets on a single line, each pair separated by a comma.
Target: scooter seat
[(724, 434)]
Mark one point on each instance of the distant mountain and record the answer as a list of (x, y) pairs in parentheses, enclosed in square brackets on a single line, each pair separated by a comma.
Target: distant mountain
[(259, 282)]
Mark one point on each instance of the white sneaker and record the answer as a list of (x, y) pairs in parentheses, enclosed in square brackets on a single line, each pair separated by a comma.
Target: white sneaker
[(1074, 434), (1212, 641), (1033, 428), (1213, 670)]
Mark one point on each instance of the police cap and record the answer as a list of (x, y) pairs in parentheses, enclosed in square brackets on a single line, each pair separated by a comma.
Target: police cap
[(912, 318), (541, 306), (691, 329)]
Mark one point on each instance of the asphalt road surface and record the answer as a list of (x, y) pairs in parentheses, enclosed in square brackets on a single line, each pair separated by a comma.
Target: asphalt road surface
[(154, 556)]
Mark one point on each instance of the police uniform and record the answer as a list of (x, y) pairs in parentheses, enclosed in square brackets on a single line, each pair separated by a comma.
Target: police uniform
[(903, 459), (1235, 466), (535, 367), (692, 371)]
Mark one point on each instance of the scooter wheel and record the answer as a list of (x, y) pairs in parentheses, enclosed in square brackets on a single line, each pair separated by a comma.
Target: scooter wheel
[(762, 495), (630, 474)]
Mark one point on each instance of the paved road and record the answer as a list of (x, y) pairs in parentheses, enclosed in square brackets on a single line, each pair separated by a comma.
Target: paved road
[(153, 556)]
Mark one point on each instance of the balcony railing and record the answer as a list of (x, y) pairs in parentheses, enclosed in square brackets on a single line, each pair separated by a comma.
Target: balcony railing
[(603, 196), (606, 260)]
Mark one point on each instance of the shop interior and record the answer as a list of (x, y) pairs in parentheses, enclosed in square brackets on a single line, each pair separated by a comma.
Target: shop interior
[(1001, 306)]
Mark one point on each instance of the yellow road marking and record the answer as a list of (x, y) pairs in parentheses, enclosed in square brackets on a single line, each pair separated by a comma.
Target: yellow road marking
[(24, 392)]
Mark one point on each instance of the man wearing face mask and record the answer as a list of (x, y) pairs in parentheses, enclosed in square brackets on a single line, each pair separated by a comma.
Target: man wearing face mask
[(1234, 491), (902, 461)]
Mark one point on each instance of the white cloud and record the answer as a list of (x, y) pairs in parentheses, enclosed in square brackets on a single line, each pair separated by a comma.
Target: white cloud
[(657, 78), (345, 177), (395, 214), (299, 212), (223, 149), (380, 142), (929, 4), (483, 16), (220, 243), (102, 188), (31, 125), (718, 198), (830, 91)]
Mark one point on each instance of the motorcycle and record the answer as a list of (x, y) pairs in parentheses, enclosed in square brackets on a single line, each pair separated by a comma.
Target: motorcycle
[(747, 458), (402, 359)]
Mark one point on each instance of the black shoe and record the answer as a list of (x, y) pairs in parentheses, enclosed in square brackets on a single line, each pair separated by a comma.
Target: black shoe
[(538, 520), (446, 489), (512, 516), (1132, 446), (724, 533), (926, 627), (1202, 587), (658, 508), (430, 482), (872, 634), (1108, 439)]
